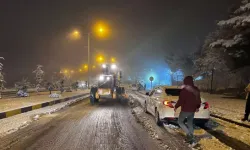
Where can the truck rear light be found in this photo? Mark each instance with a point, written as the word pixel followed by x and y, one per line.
pixel 168 103
pixel 206 105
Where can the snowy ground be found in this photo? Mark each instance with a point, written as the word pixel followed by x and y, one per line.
pixel 17 122
pixel 227 107
pixel 218 135
pixel 35 98
pixel 147 121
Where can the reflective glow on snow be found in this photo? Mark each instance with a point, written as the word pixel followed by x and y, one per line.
pixel 198 78
pixel 129 78
pixel 162 76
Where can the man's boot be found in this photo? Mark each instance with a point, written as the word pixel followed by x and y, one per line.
pixel 245 117
pixel 190 138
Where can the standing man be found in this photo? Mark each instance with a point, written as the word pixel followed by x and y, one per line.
pixel 62 86
pixel 50 88
pixel 247 109
pixel 189 101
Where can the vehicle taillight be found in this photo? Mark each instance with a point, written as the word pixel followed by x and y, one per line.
pixel 168 103
pixel 206 105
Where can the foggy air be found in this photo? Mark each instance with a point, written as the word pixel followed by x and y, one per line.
pixel 137 74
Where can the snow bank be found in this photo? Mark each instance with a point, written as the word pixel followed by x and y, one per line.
pixel 12 124
pixel 206 141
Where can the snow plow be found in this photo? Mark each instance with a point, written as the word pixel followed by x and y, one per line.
pixel 108 86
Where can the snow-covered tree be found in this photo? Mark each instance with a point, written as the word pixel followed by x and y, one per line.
pixel 234 35
pixel 211 63
pixel 225 50
pixel 2 81
pixel 211 58
pixel 23 85
pixel 39 76
pixel 55 81
pixel 183 62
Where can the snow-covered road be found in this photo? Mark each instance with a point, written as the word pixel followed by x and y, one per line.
pixel 218 134
pixel 114 125
pixel 108 125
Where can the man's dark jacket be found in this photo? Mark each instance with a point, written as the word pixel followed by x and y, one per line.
pixel 189 98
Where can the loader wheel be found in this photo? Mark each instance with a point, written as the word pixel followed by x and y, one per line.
pixel 92 101
pixel 93 91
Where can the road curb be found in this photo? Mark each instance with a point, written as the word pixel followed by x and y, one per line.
pixel 230 120
pixel 13 112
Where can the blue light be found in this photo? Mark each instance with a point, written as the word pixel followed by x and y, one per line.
pixel 161 74
pixel 129 78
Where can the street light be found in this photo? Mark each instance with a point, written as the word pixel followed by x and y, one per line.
pixel 75 35
pixel 85 67
pixel 76 32
pixel 100 29
pixel 100 59
pixel 112 60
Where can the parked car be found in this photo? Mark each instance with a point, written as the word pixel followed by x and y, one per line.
pixel 68 89
pixel 161 101
pixel 134 87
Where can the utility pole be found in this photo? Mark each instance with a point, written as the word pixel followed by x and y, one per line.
pixel 212 78
pixel 177 80
pixel 88 59
pixel 151 79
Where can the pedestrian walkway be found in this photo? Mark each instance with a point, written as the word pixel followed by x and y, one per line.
pixel 227 107
pixel 34 99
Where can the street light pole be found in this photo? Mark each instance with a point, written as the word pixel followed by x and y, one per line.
pixel 88 59
pixel 76 35
pixel 212 79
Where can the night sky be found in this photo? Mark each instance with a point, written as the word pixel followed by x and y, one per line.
pixel 142 31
